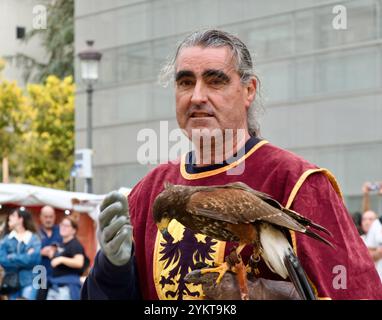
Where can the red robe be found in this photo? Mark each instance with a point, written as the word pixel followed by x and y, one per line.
pixel 346 272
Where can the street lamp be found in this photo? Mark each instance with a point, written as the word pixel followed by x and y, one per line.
pixel 89 59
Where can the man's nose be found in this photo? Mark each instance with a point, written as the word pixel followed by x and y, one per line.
pixel 199 95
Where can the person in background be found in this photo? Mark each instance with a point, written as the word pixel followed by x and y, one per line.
pixel 68 264
pixel 373 241
pixel 357 219
pixel 20 252
pixel 50 238
pixel 3 232
pixel 372 225
pixel 368 217
pixel 5 228
pixel 366 189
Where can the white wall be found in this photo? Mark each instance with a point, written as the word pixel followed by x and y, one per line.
pixel 15 13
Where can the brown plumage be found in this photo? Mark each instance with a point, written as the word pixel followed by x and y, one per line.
pixel 235 212
pixel 221 212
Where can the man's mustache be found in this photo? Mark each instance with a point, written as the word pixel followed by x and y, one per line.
pixel 200 108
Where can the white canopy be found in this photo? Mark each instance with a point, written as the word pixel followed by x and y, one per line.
pixel 29 195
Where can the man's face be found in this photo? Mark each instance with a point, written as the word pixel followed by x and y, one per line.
pixel 47 217
pixel 367 220
pixel 208 90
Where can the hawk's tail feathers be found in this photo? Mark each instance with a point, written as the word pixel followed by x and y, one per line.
pixel 306 222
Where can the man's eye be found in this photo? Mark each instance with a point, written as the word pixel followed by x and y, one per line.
pixel 217 82
pixel 185 83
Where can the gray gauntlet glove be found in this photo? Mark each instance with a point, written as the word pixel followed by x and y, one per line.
pixel 115 233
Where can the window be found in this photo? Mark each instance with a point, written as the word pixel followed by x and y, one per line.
pixel 20 32
pixel 348 70
pixel 270 37
pixel 276 79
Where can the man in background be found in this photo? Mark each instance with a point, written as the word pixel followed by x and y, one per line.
pixel 50 238
pixel 373 226
pixel 368 217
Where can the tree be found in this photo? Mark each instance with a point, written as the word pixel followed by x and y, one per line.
pixel 47 151
pixel 57 39
pixel 14 116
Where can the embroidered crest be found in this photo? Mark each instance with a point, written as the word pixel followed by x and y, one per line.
pixel 176 255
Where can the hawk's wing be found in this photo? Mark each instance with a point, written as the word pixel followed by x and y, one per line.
pixel 267 198
pixel 263 196
pixel 236 205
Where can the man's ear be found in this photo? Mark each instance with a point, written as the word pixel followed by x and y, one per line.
pixel 251 92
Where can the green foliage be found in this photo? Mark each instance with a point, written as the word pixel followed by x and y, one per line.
pixel 37 131
pixel 13 116
pixel 37 126
pixel 49 146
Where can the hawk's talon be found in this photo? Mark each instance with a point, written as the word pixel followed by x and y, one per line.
pixel 221 270
pixel 241 275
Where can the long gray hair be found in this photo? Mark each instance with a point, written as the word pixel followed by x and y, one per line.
pixel 242 57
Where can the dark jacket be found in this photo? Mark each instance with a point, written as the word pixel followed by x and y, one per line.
pixel 109 282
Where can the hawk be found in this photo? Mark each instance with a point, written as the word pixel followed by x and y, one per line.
pixel 237 213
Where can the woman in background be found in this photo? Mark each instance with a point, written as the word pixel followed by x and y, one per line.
pixel 20 252
pixel 68 264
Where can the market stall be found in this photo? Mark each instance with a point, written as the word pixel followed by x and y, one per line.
pixel 84 206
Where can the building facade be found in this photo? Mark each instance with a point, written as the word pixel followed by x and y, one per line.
pixel 321 85
pixel 16 19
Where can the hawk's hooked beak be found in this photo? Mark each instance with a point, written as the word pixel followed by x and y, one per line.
pixel 163 225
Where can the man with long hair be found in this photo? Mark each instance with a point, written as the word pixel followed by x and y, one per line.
pixel 216 89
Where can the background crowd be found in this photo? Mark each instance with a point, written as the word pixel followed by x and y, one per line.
pixel 40 264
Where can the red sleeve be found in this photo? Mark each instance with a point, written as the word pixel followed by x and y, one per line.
pixel 346 271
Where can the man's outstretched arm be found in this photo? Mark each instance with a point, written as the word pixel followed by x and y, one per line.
pixel 109 282
pixel 114 274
